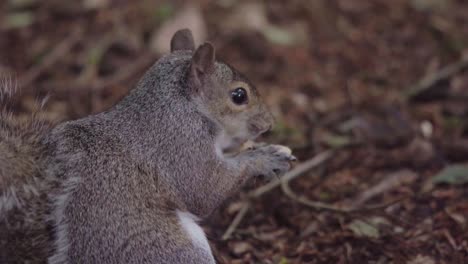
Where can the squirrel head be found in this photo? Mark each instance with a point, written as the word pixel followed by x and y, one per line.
pixel 223 94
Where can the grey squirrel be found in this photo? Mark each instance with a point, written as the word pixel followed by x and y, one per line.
pixel 128 185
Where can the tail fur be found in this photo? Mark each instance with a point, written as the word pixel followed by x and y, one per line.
pixel 24 187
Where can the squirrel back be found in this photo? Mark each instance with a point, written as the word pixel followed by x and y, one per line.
pixel 24 206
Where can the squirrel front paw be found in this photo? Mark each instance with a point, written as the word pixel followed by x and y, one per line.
pixel 269 160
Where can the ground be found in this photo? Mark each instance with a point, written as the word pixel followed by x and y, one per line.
pixel 382 84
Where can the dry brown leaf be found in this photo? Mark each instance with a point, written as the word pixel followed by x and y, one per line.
pixel 239 248
pixel 420 259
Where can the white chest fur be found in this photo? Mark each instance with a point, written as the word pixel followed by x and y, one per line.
pixel 194 231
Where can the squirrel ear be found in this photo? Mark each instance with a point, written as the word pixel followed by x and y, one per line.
pixel 203 63
pixel 182 40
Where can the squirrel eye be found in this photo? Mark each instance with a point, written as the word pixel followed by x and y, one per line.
pixel 239 96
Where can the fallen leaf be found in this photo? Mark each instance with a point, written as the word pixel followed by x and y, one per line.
pixel 429 5
pixel 384 127
pixel 96 4
pixel 164 12
pixel 454 174
pixel 459 218
pixel 420 259
pixel 277 35
pixel 17 20
pixel 239 248
pixel 271 236
pixel 247 16
pixel 336 141
pixel 21 3
pixel 363 229
pixel 253 16
pixel 310 229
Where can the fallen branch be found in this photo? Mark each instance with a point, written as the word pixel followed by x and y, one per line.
pixel 443 74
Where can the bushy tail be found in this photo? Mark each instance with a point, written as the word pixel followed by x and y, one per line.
pixel 24 206
pixel 8 87
pixel 20 149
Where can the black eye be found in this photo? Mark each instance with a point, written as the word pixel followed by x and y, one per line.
pixel 239 96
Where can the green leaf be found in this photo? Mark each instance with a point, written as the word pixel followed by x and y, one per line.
pixel 455 174
pixel 21 3
pixel 429 5
pixel 279 36
pixel 337 141
pixel 363 229
pixel 18 20
pixel 95 55
pixel 164 12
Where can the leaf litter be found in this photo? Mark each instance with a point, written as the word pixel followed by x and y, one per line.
pixel 381 82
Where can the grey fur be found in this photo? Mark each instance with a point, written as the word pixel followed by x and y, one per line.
pixel 125 173
pixel 25 225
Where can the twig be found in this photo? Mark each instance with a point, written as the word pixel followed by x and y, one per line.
pixel 240 215
pixel 99 84
pixel 95 55
pixel 125 73
pixel 58 52
pixel 443 74
pixel 255 194
pixel 323 206
pixel 297 171
pixel 314 204
pixel 284 183
pixel 450 239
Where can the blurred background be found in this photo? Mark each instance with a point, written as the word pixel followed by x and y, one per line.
pixel 382 84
